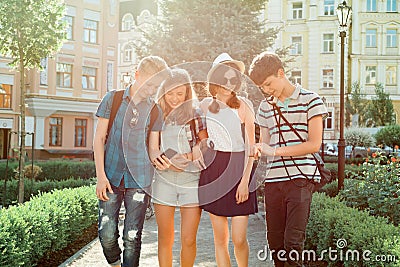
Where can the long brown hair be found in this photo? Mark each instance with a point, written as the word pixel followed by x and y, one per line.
pixel 233 101
pixel 185 112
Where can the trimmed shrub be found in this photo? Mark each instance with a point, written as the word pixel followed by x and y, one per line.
pixel 33 188
pixel 49 222
pixel 55 170
pixel 331 222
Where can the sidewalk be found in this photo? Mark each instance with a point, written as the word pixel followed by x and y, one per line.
pixel 92 255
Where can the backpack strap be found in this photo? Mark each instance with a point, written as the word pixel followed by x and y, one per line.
pixel 154 112
pixel 116 103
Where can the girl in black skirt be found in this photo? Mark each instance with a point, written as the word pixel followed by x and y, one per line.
pixel 224 184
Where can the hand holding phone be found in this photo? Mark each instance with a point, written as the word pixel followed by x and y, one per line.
pixel 169 153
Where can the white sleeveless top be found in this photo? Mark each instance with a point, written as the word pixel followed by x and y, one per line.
pixel 224 130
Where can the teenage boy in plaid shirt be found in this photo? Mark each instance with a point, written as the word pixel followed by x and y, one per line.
pixel 124 171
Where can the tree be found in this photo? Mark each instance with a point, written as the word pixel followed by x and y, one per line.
pixel 380 110
pixel 357 137
pixel 389 136
pixel 29 31
pixel 199 30
pixel 356 104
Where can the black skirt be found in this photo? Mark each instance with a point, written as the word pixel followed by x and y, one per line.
pixel 218 185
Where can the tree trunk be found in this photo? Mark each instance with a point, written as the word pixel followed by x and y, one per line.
pixel 21 173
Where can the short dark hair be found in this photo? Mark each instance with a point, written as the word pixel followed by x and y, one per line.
pixel 263 66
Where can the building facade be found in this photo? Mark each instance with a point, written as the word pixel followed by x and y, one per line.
pixel 62 99
pixel 372 52
pixel 134 17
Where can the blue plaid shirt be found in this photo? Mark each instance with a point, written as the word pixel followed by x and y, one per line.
pixel 126 154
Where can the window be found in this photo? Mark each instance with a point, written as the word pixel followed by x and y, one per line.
pixel 43 71
pixel 296 77
pixel 5 96
pixel 88 78
pixel 55 132
pixel 80 132
pixel 64 75
pixel 70 22
pixel 391 38
pixel 328 42
pixel 128 54
pixel 90 31
pixel 371 38
pixel 328 122
pixel 391 77
pixel 127 22
pixel 327 78
pixel 329 7
pixel 297 10
pixel 391 5
pixel 370 74
pixel 296 46
pixel 371 5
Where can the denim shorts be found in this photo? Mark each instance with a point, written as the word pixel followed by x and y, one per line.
pixel 173 188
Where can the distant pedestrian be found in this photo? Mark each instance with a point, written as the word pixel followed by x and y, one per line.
pixel 224 185
pixel 288 187
pixel 124 171
pixel 176 180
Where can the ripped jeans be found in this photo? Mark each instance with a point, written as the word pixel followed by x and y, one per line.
pixel 135 202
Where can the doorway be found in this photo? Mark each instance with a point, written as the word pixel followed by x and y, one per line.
pixel 3 143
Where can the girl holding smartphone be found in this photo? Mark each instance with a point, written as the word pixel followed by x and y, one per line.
pixel 176 179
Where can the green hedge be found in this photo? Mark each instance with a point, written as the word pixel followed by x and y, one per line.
pixel 49 222
pixel 35 187
pixel 331 220
pixel 55 170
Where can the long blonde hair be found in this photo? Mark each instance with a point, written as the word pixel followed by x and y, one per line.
pixel 185 112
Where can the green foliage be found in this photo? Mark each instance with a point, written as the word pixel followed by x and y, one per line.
pixel 379 190
pixel 356 137
pixel 55 170
pixel 380 109
pixel 193 30
pixel 389 136
pixel 33 188
pixel 47 223
pixel 356 104
pixel 331 220
pixel 65 169
pixel 33 31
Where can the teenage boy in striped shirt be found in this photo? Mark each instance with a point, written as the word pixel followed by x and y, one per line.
pixel 288 190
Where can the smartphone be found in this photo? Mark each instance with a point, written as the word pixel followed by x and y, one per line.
pixel 169 153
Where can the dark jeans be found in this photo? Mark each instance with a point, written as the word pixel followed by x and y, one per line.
pixel 287 206
pixel 135 202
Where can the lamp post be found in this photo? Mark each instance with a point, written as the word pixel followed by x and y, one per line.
pixel 343 13
pixel 126 79
pixel 323 133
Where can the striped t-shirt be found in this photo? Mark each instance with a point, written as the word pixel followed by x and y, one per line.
pixel 298 109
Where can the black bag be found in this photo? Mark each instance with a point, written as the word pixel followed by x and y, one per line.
pixel 326 176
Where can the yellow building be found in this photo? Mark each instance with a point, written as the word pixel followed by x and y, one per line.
pixel 372 50
pixel 375 47
pixel 63 98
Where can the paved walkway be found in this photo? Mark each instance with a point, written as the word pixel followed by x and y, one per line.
pixel 92 256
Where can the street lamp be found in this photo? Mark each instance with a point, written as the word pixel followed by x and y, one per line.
pixel 343 13
pixel 323 133
pixel 126 79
